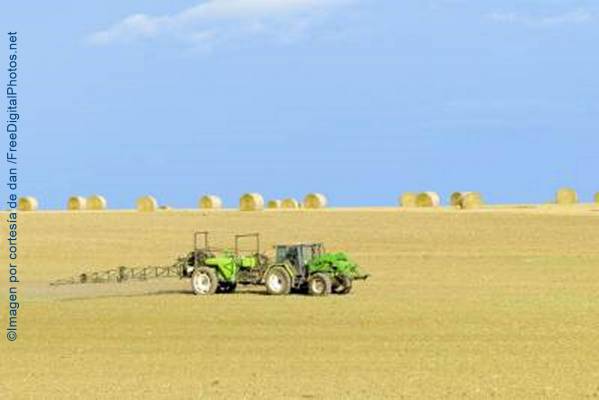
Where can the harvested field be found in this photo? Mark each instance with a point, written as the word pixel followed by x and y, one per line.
pixel 499 302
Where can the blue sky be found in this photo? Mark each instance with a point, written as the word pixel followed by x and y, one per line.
pixel 360 99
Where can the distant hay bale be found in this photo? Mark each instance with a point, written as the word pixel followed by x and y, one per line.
pixel 165 208
pixel 290 204
pixel 456 198
pixel 147 204
pixel 76 203
pixel 210 202
pixel 408 199
pixel 251 202
pixel 27 203
pixel 96 202
pixel 466 200
pixel 274 204
pixel 471 200
pixel 427 199
pixel 566 196
pixel 315 200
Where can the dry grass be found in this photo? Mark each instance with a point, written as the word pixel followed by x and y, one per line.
pixel 496 303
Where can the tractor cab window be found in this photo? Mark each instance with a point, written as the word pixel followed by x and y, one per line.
pixel 309 253
pixel 292 255
pixel 288 253
pixel 281 253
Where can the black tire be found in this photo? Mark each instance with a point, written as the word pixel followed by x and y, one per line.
pixel 227 287
pixel 232 287
pixel 204 281
pixel 277 281
pixel 343 285
pixel 319 284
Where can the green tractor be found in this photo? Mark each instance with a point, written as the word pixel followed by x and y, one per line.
pixel 298 267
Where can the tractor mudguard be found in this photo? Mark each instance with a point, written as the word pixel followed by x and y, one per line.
pixel 225 266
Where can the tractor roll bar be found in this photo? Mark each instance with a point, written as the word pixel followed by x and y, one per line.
pixel 247 235
pixel 196 235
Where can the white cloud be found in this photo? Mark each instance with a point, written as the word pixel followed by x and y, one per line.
pixel 221 19
pixel 571 17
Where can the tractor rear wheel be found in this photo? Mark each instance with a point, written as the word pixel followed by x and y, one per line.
pixel 343 285
pixel 204 281
pixel 278 281
pixel 319 284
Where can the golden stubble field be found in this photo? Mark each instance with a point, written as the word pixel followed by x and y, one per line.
pixel 499 303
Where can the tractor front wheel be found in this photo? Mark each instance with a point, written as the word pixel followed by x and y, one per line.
pixel 343 285
pixel 319 284
pixel 278 281
pixel 204 281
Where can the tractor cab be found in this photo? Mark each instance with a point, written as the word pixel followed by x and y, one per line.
pixel 298 255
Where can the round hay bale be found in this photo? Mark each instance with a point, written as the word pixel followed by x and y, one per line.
pixel 27 203
pixel 147 204
pixel 76 203
pixel 315 200
pixel 210 202
pixel 273 204
pixel 408 199
pixel 456 198
pixel 566 196
pixel 471 200
pixel 96 202
pixel 165 208
pixel 290 204
pixel 251 202
pixel 427 199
